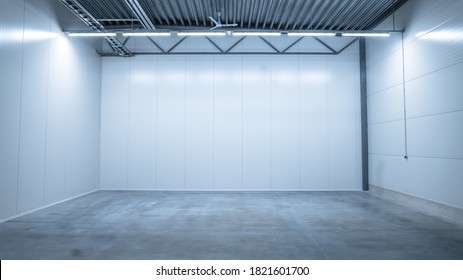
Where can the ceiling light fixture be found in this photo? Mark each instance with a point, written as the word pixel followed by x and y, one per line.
pixel 256 33
pixel 146 34
pixel 91 34
pixel 201 33
pixel 348 34
pixel 312 34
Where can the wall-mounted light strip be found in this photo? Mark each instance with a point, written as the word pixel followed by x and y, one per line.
pixel 91 34
pixel 347 34
pixel 256 33
pixel 201 33
pixel 146 34
pixel 312 34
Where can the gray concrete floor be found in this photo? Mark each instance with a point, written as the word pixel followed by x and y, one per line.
pixel 229 225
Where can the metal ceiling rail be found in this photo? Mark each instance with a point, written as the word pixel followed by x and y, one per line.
pixel 256 14
pixel 93 23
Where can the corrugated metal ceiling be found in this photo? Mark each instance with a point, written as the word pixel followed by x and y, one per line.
pixel 248 14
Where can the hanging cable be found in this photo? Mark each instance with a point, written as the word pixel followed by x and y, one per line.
pixel 404 98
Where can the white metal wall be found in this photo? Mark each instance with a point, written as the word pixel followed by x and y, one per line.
pixel 235 122
pixel 49 110
pixel 433 66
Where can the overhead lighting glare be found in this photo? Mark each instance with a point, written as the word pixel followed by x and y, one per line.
pixel 146 34
pixel 444 35
pixel 312 34
pixel 256 33
pixel 366 34
pixel 201 33
pixel 92 34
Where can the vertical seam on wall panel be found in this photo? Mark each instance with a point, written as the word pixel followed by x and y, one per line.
pixel 20 107
pixel 184 122
pixel 100 117
pixel 327 88
pixel 213 122
pixel 299 108
pixel 46 115
pixel 156 125
pixel 128 122
pixel 358 100
pixel 404 98
pixel 271 123
pixel 242 122
pixel 99 123
pixel 66 132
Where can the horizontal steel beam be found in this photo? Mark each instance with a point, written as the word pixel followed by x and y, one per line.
pixel 106 54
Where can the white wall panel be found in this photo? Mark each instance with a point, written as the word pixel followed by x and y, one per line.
pixel 433 67
pixel 58 90
pixel 49 109
pixel 441 47
pixel 436 93
pixel 82 124
pixel 387 138
pixel 11 30
pixel 170 137
pixel 426 15
pixel 439 136
pixel 90 115
pixel 433 179
pixel 285 122
pixel 142 123
pixel 390 172
pixel 74 156
pixel 343 121
pixel 234 122
pixel 437 180
pixel 385 74
pixel 199 134
pixel 33 109
pixel 381 47
pixel 256 122
pixel 386 106
pixel 228 120
pixel 314 122
pixel 114 124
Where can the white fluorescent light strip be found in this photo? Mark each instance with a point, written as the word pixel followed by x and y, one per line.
pixel 142 34
pixel 94 34
pixel 366 34
pixel 201 34
pixel 256 33
pixel 312 34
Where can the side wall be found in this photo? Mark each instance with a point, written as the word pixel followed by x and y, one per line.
pixel 428 87
pixel 232 122
pixel 49 110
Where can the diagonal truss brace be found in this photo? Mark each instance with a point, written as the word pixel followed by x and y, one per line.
pixel 276 51
pixel 77 8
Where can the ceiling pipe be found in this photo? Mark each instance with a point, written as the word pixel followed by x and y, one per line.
pixel 140 13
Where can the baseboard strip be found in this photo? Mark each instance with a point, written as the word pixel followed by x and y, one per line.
pixel 426 206
pixel 43 207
